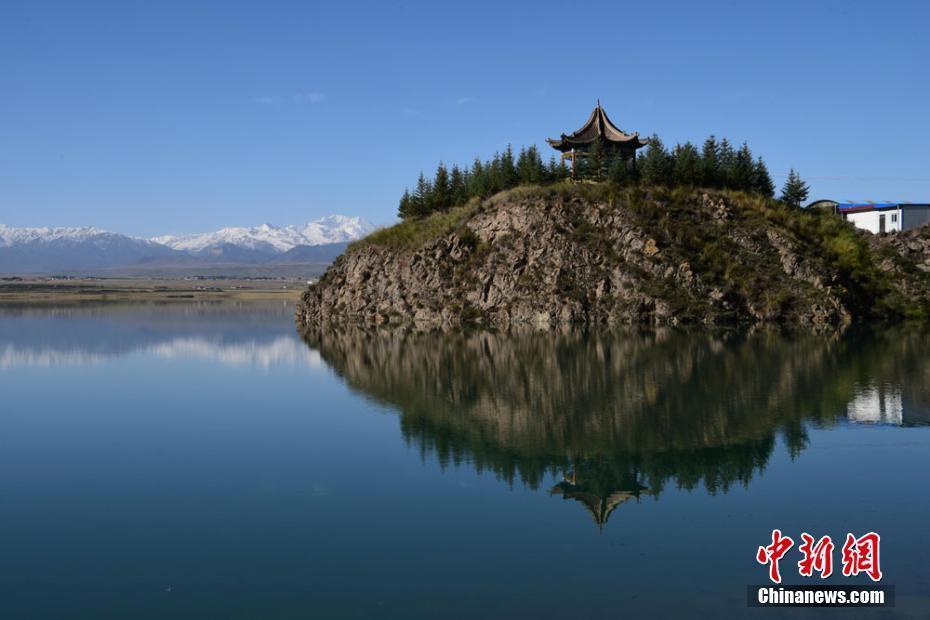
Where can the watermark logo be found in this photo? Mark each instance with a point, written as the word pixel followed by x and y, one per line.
pixel 859 555
pixel 772 554
pixel 818 557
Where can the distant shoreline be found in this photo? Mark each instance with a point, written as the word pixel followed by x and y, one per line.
pixel 32 290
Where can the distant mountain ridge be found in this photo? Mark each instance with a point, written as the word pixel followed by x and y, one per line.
pixel 90 250
pixel 267 237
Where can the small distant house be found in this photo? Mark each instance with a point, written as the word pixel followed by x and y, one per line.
pixel 878 217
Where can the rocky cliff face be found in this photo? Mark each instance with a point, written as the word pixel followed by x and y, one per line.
pixel 588 254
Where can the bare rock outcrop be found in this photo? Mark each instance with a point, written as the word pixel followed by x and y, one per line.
pixel 590 255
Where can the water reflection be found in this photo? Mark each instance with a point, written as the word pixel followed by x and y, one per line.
pixel 618 416
pixel 253 334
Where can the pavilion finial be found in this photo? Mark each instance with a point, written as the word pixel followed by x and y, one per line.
pixel 598 102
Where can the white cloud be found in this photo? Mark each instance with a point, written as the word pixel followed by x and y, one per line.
pixel 465 100
pixel 310 98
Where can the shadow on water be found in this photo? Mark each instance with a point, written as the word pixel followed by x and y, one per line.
pixel 621 415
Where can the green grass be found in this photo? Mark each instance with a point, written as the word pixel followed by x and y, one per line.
pixel 414 233
pixel 411 234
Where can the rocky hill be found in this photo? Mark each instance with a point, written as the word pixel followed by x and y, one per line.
pixel 593 254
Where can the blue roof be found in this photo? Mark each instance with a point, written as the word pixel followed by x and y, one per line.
pixel 873 205
pixel 863 205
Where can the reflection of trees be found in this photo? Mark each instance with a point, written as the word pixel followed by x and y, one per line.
pixel 618 414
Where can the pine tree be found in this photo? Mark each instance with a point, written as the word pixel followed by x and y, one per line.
pixel 687 169
pixel 491 167
pixel 710 164
pixel 655 165
pixel 421 201
pixel 538 174
pixel 477 180
pixel 458 186
pixel 741 175
pixel 761 179
pixel 795 191
pixel 530 168
pixel 596 161
pixel 555 171
pixel 405 208
pixel 523 167
pixel 726 157
pixel 508 171
pixel 442 190
pixel 619 173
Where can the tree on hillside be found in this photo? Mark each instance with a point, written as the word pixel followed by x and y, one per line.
pixel 620 172
pixel 795 190
pixel 508 170
pixel 687 167
pixel 442 190
pixel 710 164
pixel 761 179
pixel 741 172
pixel 656 168
pixel 458 186
pixel 495 181
pixel 530 168
pixel 421 201
pixel 717 165
pixel 595 164
pixel 477 180
pixel 405 208
pixel 726 157
pixel 555 171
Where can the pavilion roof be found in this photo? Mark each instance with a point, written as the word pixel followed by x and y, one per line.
pixel 598 505
pixel 598 126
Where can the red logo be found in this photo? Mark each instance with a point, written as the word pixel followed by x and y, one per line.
pixel 773 553
pixel 860 555
pixel 817 557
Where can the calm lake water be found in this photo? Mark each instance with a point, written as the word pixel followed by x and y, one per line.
pixel 203 460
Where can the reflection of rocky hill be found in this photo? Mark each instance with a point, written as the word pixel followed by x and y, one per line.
pixel 627 412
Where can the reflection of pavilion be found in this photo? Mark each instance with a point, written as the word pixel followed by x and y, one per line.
pixel 527 404
pixel 598 489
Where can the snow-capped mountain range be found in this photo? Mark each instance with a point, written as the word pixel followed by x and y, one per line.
pixel 331 229
pixel 36 250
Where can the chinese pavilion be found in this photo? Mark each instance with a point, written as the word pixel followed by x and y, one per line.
pixel 599 488
pixel 598 129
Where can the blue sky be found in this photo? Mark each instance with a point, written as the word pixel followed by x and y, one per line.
pixel 155 117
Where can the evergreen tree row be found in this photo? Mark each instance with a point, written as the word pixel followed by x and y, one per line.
pixel 716 165
pixel 457 186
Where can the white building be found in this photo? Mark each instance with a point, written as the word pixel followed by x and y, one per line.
pixel 879 217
